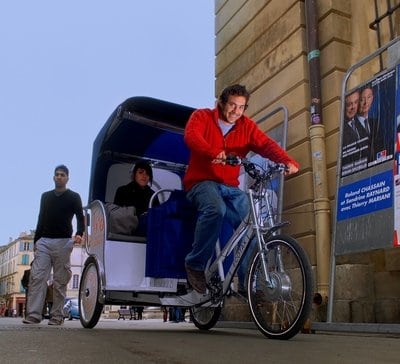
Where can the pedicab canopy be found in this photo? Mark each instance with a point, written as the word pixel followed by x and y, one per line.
pixel 140 127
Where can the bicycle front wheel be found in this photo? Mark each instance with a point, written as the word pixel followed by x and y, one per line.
pixel 281 306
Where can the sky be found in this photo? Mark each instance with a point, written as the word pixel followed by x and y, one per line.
pixel 66 65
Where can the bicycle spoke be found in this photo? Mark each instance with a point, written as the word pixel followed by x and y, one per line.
pixel 280 310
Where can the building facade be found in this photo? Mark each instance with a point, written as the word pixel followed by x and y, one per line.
pixel 296 53
pixel 15 258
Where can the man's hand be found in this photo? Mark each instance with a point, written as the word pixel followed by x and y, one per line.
pixel 77 239
pixel 291 169
pixel 220 158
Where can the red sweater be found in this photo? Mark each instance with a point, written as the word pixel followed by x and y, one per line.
pixel 205 141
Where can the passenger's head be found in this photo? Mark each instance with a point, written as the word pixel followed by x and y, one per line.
pixel 142 173
pixel 233 102
pixel 351 104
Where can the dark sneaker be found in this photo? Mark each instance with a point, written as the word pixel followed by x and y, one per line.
pixel 30 321
pixel 196 279
pixel 53 322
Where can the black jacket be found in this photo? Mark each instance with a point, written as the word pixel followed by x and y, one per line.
pixel 134 195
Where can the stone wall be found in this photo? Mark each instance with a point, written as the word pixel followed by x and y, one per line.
pixel 262 44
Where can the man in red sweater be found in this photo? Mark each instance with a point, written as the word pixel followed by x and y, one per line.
pixel 211 185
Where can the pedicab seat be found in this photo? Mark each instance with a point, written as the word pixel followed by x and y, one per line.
pixel 122 224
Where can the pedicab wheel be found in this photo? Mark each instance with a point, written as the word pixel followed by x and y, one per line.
pixel 281 307
pixel 205 318
pixel 89 307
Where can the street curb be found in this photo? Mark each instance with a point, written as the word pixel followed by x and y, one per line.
pixel 374 328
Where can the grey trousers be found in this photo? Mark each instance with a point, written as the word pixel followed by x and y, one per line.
pixel 49 253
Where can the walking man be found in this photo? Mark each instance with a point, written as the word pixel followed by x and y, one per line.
pixel 53 247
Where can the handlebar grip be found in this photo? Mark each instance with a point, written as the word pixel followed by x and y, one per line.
pixel 232 160
pixel 283 167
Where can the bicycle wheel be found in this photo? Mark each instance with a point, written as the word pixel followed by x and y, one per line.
pixel 281 310
pixel 205 318
pixel 89 307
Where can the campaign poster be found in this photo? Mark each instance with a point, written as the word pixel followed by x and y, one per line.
pixel 368 195
pixel 365 196
pixel 396 238
pixel 368 130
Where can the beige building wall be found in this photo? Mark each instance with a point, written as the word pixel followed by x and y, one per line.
pixel 14 259
pixel 263 44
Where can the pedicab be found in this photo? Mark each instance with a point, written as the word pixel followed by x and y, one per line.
pixel 123 269
pixel 148 269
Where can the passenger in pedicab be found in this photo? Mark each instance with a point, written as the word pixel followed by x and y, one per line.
pixel 138 193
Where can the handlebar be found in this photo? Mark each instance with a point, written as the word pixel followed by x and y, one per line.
pixel 251 168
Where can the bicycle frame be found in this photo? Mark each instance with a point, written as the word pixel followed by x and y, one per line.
pixel 279 277
pixel 253 226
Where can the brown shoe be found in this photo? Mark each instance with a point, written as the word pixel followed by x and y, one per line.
pixel 30 321
pixel 54 322
pixel 196 279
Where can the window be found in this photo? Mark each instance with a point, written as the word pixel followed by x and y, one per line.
pixel 75 281
pixel 25 259
pixel 25 246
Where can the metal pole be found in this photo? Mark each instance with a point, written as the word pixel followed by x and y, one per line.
pixel 285 111
pixel 318 153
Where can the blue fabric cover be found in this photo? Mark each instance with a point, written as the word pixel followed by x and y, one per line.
pixel 170 231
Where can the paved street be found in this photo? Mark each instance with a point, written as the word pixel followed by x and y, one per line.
pixel 152 341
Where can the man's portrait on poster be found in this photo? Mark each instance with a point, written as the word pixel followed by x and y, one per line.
pixel 368 125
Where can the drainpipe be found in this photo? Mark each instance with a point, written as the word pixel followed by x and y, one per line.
pixel 318 155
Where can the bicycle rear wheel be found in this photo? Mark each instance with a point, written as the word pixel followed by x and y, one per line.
pixel 281 310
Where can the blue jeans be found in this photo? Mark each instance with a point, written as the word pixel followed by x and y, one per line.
pixel 214 202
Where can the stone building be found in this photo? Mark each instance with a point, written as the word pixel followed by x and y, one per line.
pixel 14 259
pixel 296 53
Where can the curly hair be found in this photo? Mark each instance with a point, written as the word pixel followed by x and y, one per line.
pixel 236 90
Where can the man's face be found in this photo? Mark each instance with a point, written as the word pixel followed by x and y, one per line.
pixel 233 109
pixel 60 178
pixel 141 177
pixel 352 102
pixel 367 97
